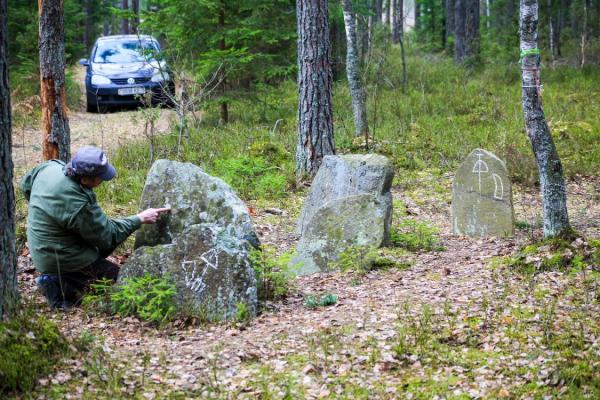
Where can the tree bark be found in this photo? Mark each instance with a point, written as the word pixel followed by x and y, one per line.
pixel 359 107
pixel 8 256
pixel 315 122
pixel 466 31
pixel 222 46
pixel 125 21
pixel 398 21
pixel 449 21
pixel 552 184
pixel 56 139
pixel 135 22
pixel 88 32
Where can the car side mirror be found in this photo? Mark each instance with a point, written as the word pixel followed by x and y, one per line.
pixel 84 62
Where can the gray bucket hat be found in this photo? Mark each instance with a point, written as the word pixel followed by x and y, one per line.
pixel 91 161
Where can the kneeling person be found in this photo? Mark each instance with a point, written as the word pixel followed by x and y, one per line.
pixel 68 234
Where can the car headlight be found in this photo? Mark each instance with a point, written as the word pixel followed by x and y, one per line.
pixel 160 77
pixel 100 80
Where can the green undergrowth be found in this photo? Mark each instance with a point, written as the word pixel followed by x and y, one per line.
pixel 273 275
pixel 415 236
pixel 570 255
pixel 30 347
pixel 148 298
pixel 315 301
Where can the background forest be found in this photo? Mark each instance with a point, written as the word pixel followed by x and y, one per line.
pixel 253 45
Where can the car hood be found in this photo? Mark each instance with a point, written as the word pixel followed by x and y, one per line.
pixel 129 69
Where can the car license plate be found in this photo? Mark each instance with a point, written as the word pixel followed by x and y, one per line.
pixel 131 90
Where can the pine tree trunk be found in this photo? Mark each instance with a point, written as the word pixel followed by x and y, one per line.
pixel 449 21
pixel 106 18
pixel 359 107
pixel 315 122
pixel 466 31
pixel 88 32
pixel 8 256
pixel 56 139
pixel 222 46
pixel 554 197
pixel 125 21
pixel 417 15
pixel 135 7
pixel 378 11
pixel 398 21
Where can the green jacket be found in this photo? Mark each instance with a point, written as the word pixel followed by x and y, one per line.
pixel 66 228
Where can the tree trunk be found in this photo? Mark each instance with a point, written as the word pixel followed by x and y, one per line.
pixel 466 31
pixel 88 32
pixel 359 107
pixel 378 11
pixel 552 185
pixel 584 31
pixel 106 18
pixel 8 256
pixel 449 21
pixel 315 122
pixel 125 21
pixel 222 46
pixel 417 15
pixel 398 21
pixel 385 18
pixel 135 22
pixel 56 139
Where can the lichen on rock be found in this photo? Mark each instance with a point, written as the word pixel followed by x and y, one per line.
pixel 203 244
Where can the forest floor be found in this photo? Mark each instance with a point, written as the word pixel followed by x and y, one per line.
pixel 451 323
pixel 471 327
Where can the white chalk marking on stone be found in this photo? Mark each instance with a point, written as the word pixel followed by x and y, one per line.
pixel 497 186
pixel 479 167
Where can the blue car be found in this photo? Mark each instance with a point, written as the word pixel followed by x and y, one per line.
pixel 125 69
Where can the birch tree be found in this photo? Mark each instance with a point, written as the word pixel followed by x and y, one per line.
pixel 552 184
pixel 8 256
pixel 359 107
pixel 315 120
pixel 55 124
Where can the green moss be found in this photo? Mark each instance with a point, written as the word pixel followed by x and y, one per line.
pixel 30 346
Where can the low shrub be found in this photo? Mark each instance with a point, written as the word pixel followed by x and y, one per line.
pixel 273 275
pixel 415 236
pixel 146 297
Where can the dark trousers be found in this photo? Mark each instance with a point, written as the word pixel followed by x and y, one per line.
pixel 67 289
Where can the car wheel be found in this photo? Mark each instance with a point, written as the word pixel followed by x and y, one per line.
pixel 91 108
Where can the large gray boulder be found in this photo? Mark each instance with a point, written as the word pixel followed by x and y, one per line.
pixel 482 197
pixel 203 244
pixel 349 205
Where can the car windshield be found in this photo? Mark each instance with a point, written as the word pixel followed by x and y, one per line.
pixel 122 52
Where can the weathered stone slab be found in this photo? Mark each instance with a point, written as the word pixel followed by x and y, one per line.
pixel 195 198
pixel 210 268
pixel 203 244
pixel 348 175
pixel 341 223
pixel 482 197
pixel 350 204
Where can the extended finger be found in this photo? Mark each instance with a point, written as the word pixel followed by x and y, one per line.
pixel 162 210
